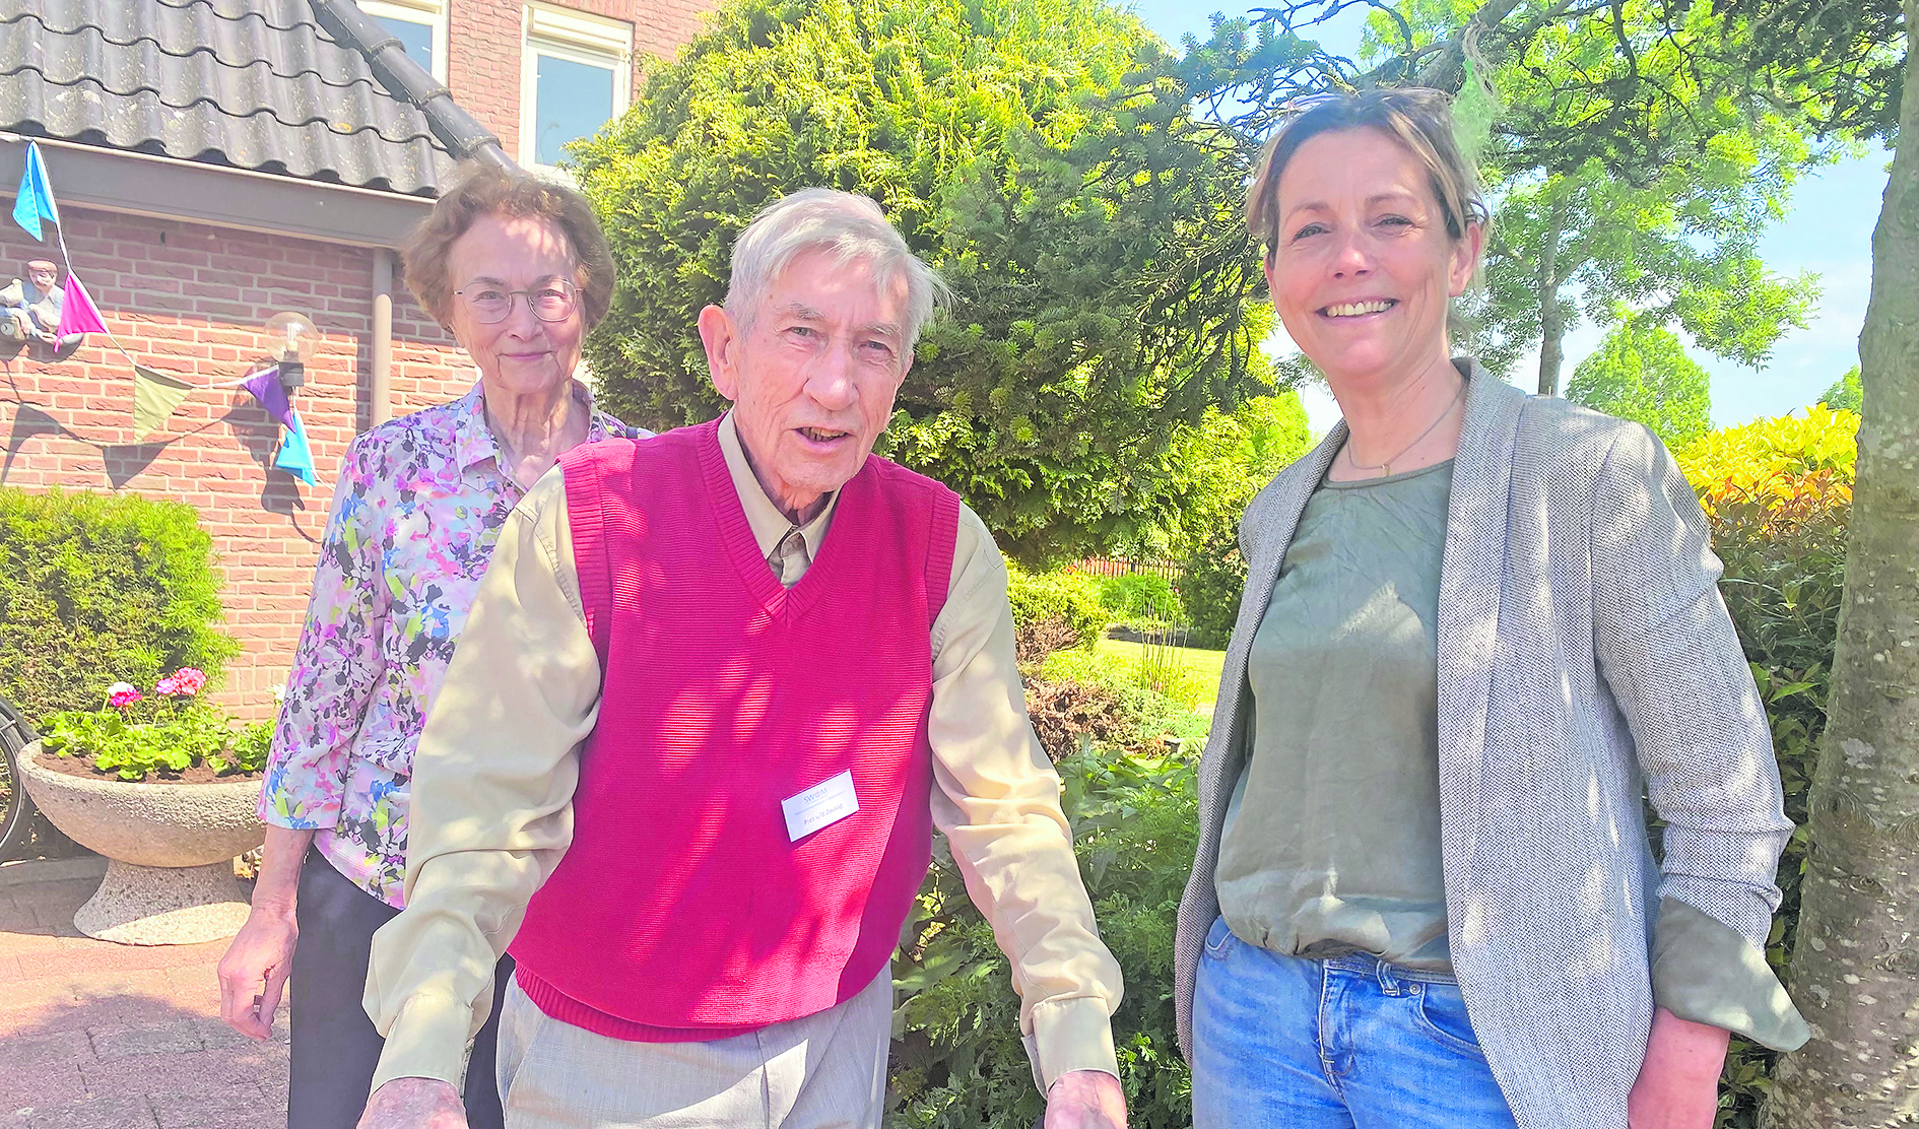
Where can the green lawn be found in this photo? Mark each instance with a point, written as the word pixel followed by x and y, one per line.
pixel 1203 664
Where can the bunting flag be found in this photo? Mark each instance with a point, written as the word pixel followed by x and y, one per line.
pixel 155 395
pixel 266 388
pixel 296 458
pixel 78 314
pixel 35 200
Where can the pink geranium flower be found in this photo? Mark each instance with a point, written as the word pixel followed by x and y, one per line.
pixel 166 688
pixel 120 695
pixel 188 681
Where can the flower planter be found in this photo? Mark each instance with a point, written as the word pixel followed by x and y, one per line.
pixel 169 849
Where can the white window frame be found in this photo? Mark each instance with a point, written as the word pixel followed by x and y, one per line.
pixel 432 13
pixel 578 37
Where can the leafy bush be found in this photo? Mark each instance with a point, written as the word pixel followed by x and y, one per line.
pixel 1054 610
pixel 1215 577
pixel 1779 492
pixel 1783 541
pixel 137 737
pixel 1082 697
pixel 957 1061
pixel 1140 596
pixel 1771 455
pixel 1042 154
pixel 94 587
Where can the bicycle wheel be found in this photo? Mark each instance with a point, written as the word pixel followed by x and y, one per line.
pixel 16 809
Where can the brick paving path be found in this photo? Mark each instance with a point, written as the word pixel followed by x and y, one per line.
pixel 95 1035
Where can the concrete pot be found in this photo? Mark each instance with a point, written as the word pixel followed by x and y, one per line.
pixel 169 849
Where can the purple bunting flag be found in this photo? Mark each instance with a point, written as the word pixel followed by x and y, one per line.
pixel 266 388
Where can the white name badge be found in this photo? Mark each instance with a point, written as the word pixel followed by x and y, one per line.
pixel 820 806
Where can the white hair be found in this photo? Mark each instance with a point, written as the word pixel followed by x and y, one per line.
pixel 845 225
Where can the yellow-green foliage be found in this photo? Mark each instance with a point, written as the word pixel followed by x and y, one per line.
pixel 1771 457
pixel 1779 492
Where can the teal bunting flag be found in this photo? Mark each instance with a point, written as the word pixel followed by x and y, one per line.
pixel 295 457
pixel 35 200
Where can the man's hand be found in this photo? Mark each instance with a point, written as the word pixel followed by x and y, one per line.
pixel 1085 1099
pixel 414 1103
pixel 1678 1086
pixel 253 973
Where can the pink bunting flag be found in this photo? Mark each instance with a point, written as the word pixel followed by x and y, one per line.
pixel 266 388
pixel 77 312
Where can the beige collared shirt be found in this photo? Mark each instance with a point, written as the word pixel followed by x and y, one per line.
pixel 495 771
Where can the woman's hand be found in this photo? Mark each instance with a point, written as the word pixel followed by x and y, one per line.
pixel 253 974
pixel 414 1103
pixel 1678 1086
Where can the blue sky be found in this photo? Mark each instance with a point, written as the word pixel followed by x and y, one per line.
pixel 1828 231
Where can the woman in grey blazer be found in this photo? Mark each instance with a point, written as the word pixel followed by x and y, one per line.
pixel 1479 630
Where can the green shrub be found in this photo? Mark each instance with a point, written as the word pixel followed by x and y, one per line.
pixel 1215 577
pixel 1141 596
pixel 1784 547
pixel 957 1062
pixel 1054 610
pixel 96 589
pixel 1074 697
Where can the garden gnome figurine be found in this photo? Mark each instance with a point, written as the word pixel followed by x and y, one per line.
pixel 30 312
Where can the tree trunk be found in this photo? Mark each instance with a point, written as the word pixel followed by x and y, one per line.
pixel 1552 323
pixel 1855 967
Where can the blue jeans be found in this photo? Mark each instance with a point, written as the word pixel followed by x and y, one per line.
pixel 1280 1042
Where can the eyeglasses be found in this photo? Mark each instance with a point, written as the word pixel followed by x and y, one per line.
pixel 551 300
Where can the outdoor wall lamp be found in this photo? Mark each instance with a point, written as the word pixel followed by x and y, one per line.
pixel 292 338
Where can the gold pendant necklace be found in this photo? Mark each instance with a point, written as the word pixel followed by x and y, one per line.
pixel 1387 467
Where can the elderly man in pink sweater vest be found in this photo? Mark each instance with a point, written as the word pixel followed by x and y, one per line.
pixel 717 690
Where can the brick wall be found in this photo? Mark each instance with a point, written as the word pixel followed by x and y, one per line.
pixel 484 41
pixel 190 300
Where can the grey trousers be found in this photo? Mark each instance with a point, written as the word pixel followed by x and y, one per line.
pixel 824 1071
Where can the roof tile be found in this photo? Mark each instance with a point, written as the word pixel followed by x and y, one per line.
pixel 253 84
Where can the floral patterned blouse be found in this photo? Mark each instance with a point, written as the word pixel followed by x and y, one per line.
pixel 416 513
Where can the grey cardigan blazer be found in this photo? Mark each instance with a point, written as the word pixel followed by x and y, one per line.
pixel 1585 660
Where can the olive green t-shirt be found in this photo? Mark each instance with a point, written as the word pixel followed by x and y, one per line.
pixel 1332 840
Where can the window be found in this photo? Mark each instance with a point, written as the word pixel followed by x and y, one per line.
pixel 577 75
pixel 418 24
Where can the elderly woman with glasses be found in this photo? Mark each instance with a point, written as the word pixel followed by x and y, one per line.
pixel 518 270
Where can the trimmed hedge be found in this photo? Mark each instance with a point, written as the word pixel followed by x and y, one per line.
pixel 1054 610
pixel 97 589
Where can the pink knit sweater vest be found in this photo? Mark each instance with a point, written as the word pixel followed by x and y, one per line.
pixel 683 911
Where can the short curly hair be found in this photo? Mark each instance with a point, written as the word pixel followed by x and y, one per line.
pixel 487 189
pixel 1416 117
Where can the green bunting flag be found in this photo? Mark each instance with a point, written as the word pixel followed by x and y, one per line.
pixel 155 395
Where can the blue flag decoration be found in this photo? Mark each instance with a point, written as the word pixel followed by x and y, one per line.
pixel 295 457
pixel 35 201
